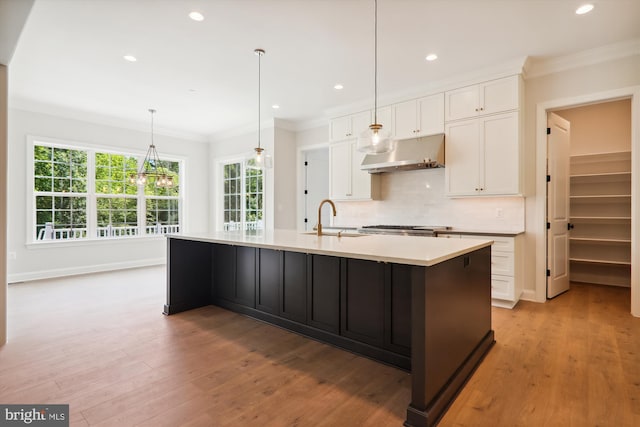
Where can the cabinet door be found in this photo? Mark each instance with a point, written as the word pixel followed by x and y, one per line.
pixel 293 293
pixel 398 309
pixel 362 312
pixel 246 276
pixel 340 128
pixel 323 293
pixel 224 272
pixel 431 114
pixel 405 119
pixel 385 115
pixel 340 170
pixel 463 158
pixel 360 179
pixel 499 95
pixel 268 284
pixel 462 103
pixel 501 155
pixel 360 122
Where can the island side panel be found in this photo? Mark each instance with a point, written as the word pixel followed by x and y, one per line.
pixel 451 331
pixel 188 275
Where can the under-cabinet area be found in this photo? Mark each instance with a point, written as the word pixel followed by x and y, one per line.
pixel 600 206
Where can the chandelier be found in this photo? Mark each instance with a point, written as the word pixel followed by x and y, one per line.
pixel 151 166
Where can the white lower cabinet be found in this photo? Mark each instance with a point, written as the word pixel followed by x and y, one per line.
pixel 506 267
pixel 346 180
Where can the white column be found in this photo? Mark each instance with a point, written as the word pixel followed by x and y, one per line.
pixel 3 203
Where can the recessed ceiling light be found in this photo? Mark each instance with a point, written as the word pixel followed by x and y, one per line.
pixel 196 16
pixel 275 106
pixel 431 57
pixel 338 87
pixel 585 8
pixel 130 58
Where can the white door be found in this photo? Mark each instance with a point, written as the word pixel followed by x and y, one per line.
pixel 558 137
pixel 316 186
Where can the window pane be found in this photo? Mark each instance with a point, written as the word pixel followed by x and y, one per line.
pixel 42 153
pixel 60 218
pixel 43 184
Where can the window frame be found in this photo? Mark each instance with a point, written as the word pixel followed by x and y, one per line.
pixel 91 194
pixel 243 194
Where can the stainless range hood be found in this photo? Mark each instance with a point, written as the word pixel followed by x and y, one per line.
pixel 419 153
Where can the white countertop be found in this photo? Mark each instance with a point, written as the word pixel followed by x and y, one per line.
pixel 411 250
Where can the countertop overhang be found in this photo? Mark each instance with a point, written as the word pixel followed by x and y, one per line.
pixel 410 250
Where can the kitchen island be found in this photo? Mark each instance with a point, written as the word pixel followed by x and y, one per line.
pixel 422 304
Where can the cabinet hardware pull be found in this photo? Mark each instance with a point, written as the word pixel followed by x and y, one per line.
pixel 476 109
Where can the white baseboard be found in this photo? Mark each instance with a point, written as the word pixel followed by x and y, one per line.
pixel 85 269
pixel 529 295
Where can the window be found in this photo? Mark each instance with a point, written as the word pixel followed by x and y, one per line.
pixel 243 193
pixel 82 193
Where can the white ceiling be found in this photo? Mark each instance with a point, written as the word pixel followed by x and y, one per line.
pixel 202 76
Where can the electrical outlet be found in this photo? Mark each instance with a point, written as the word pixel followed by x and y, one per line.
pixel 11 256
pixel 499 213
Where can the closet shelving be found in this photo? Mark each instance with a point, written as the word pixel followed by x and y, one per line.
pixel 600 203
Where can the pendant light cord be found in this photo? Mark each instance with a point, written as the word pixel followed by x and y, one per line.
pixel 375 60
pixel 259 56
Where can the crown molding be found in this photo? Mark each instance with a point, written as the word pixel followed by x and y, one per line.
pixel 537 67
pixel 99 119
pixel 504 69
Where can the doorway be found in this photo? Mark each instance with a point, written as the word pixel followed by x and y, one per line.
pixel 598 187
pixel 314 187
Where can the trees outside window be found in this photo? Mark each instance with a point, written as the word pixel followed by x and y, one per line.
pixel 243 196
pixel 82 193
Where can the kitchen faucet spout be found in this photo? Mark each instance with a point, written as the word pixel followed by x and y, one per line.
pixel 333 206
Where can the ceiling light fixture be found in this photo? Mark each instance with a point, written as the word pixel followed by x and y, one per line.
pixel 431 57
pixel 130 58
pixel 151 166
pixel 275 106
pixel 585 8
pixel 196 16
pixel 261 160
pixel 375 139
pixel 338 87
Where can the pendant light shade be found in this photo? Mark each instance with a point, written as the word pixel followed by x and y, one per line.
pixel 260 158
pixel 376 139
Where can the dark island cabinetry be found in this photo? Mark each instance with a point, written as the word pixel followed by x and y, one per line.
pixel 433 320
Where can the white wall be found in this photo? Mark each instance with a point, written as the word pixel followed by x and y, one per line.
pixel 285 179
pixel 49 260
pixel 599 128
pixel 572 84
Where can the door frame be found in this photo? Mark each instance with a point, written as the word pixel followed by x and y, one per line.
pixel 540 230
pixel 300 179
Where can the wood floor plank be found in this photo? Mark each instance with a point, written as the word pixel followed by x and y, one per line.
pixel 106 350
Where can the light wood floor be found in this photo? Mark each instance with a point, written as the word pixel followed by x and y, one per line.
pixel 100 343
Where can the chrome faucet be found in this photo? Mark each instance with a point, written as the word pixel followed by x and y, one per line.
pixel 319 226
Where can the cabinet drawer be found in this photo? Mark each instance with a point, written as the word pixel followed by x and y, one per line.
pixel 502 287
pixel 500 243
pixel 502 263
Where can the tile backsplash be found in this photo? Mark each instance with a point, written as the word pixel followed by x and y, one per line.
pixel 417 198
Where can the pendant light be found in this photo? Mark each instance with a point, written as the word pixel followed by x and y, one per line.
pixel 151 167
pixel 376 139
pixel 261 160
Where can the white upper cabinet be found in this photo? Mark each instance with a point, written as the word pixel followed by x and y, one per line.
pixel 419 117
pixel 347 127
pixel 491 97
pixel 483 156
pixel 346 180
